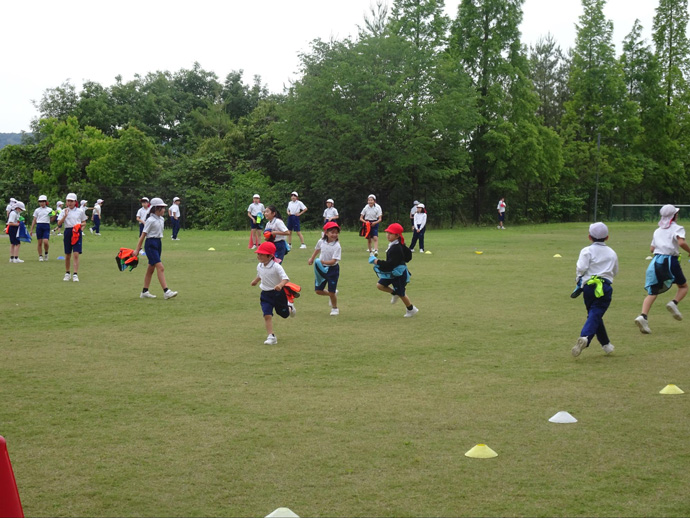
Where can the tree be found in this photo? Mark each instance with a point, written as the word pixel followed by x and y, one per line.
pixel 549 74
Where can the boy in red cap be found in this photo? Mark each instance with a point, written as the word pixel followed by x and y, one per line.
pixel 393 271
pixel 273 279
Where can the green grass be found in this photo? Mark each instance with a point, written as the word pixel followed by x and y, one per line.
pixel 116 406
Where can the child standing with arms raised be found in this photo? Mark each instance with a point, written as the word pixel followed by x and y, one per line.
pixel 326 268
pixel 596 267
pixel 273 279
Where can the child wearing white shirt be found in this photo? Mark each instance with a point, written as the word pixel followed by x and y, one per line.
pixel 73 219
pixel 418 228
pixel 295 209
pixel 327 267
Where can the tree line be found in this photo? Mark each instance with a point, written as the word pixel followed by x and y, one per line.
pixel 453 112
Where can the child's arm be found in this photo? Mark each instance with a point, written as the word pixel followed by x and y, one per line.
pixel 33 226
pixel 281 284
pixel 139 243
pixel 683 244
pixel 256 280
pixel 330 262
pixel 313 256
pixel 582 263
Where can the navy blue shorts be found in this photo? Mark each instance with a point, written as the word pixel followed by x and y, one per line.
pixel 281 249
pixel 69 247
pixel 254 225
pixel 678 277
pixel 502 216
pixel 293 223
pixel 374 229
pixel 332 276
pixel 398 283
pixel 12 232
pixel 277 300
pixel 141 228
pixel 42 230
pixel 153 249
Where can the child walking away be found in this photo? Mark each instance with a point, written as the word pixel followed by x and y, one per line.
pixel 276 232
pixel 273 279
pixel 393 271
pixel 664 269
pixel 326 267
pixel 153 234
pixel 13 223
pixel 419 228
pixel 73 219
pixel 596 268
pixel 41 224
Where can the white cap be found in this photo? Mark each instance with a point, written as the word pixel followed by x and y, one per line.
pixel 667 212
pixel 372 196
pixel 416 202
pixel 59 204
pixel 294 193
pixel 256 196
pixel 157 202
pixel 329 200
pixel 84 202
pixel 598 230
pixel 420 205
pixel 174 199
pixel 99 200
pixel 71 196
pixel 12 200
pixel 43 197
pixel 19 205
pixel 144 198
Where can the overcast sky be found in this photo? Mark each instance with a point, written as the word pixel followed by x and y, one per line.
pixel 46 42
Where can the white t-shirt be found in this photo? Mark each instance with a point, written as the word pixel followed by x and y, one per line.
pixel 42 214
pixel 174 210
pixel 73 217
pixel 294 207
pixel 371 213
pixel 277 224
pixel 329 251
pixel 97 210
pixel 271 275
pixel 665 240
pixel 413 211
pixel 330 213
pixel 596 259
pixel 255 209
pixel 154 226
pixel 141 214
pixel 501 206
pixel 419 220
pixel 14 217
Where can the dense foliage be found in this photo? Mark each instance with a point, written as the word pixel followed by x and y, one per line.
pixel 456 113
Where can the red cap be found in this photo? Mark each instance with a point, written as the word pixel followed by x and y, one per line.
pixel 267 248
pixel 395 228
pixel 331 224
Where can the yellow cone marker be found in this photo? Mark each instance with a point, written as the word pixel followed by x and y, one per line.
pixel 671 389
pixel 481 451
pixel 478 252
pixel 427 252
pixel 557 255
pixel 212 249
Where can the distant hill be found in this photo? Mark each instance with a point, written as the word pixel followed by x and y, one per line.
pixel 7 139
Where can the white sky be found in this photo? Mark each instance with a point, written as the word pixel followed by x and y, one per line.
pixel 46 42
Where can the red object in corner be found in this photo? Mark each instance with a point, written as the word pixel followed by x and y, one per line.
pixel 10 506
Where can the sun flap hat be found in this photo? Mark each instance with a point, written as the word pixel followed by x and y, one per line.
pixel 267 248
pixel 43 197
pixel 99 200
pixel 330 200
pixel 19 205
pixel 256 196
pixel 330 225
pixel 158 202
pixel 667 212
pixel 372 196
pixel 175 199
pixel 421 205
pixel 294 193
pixel 71 196
pixel 598 230
pixel 144 198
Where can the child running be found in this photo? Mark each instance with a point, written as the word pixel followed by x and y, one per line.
pixel 153 234
pixel 664 270
pixel 13 221
pixel 73 219
pixel 41 223
pixel 276 232
pixel 419 228
pixel 326 268
pixel 394 269
pixel 596 267
pixel 273 279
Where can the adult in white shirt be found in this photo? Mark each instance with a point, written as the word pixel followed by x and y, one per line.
pixel 142 213
pixel 73 219
pixel 419 228
pixel 41 224
pixel 255 212
pixel 174 213
pixel 372 214
pixel 295 209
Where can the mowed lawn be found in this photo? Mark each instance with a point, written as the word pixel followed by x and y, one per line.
pixel 116 406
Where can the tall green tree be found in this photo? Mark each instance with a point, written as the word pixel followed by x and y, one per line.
pixel 549 73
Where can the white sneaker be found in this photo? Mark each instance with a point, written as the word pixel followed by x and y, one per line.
pixel 421 250
pixel 98 233
pixel 169 294
pixel 75 277
pixel 608 348
pixel 643 325
pixel 673 309
pixel 40 258
pixel 271 340
pixel 146 295
pixel 11 259
pixel 18 260
pixel 579 346
pixel 293 311
pixel 335 312
pixel 411 312
pixel 254 247
pixel 394 299
pixel 303 245
pixel 499 227
pixel 91 230
pixel 45 257
pixel 67 277
pixel 369 250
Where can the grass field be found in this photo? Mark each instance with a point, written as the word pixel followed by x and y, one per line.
pixel 116 406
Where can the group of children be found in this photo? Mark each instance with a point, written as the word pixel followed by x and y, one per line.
pixel 173 212
pixel 597 265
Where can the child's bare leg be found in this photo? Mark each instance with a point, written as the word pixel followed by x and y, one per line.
pixel 301 237
pixel 334 300
pixel 369 243
pixel 76 262
pixel 161 276
pixel 647 303
pixel 406 300
pixel 68 258
pixel 682 292
pixel 376 242
pixel 39 245
pixel 387 289
pixel 148 276
pixel 268 320
pixel 45 246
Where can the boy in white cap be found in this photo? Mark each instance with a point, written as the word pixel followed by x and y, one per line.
pixel 174 213
pixel 295 209
pixel 664 270
pixel 73 219
pixel 142 213
pixel 13 227
pixel 41 224
pixel 596 267
pixel 96 218
pixel 255 212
